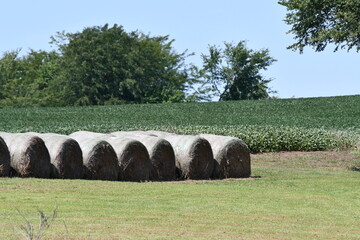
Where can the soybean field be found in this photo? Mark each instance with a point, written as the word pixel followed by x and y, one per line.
pixel 290 195
pixel 265 125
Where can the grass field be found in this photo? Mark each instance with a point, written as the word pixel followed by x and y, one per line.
pixel 292 196
pixel 267 125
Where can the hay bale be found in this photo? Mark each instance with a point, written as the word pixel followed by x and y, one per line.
pixel 132 155
pixel 4 159
pixel 29 156
pixel 65 156
pixel 161 153
pixel 193 155
pixel 231 154
pixel 99 158
pixel 133 158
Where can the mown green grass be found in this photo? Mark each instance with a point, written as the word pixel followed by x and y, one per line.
pixel 265 125
pixel 297 197
pixel 285 201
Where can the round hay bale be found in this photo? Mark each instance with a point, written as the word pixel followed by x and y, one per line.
pixel 132 155
pixel 4 159
pixel 65 156
pixel 231 154
pixel 161 153
pixel 193 154
pixel 99 158
pixel 29 156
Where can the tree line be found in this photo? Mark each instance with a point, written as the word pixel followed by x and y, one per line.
pixel 105 65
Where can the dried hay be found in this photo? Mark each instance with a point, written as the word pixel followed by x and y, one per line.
pixel 99 158
pixel 65 156
pixel 29 155
pixel 4 159
pixel 193 155
pixel 132 156
pixel 231 154
pixel 161 153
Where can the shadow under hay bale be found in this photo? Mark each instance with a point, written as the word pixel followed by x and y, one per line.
pixel 161 153
pixel 193 154
pixel 65 156
pixel 29 156
pixel 4 159
pixel 132 155
pixel 232 156
pixel 99 158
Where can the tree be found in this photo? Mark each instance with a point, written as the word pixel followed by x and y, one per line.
pixel 317 23
pixel 105 65
pixel 8 69
pixel 234 73
pixel 28 80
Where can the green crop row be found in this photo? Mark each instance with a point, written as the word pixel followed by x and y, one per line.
pixel 273 139
pixel 265 125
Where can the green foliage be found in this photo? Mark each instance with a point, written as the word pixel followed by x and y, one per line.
pixel 8 69
pixel 322 22
pixel 29 80
pixel 276 139
pixel 265 125
pixel 103 65
pixel 235 72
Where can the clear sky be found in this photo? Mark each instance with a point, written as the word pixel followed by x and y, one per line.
pixel 194 24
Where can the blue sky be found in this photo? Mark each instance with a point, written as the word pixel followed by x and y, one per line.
pixel 194 24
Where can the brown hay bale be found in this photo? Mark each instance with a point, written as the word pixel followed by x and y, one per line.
pixel 99 158
pixel 232 155
pixel 132 155
pixel 29 155
pixel 65 156
pixel 161 153
pixel 4 159
pixel 193 155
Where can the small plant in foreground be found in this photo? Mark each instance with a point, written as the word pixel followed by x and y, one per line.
pixel 30 232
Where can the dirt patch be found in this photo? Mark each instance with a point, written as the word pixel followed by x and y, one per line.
pixel 319 159
pixel 191 181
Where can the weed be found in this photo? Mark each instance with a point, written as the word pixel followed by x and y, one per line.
pixel 32 233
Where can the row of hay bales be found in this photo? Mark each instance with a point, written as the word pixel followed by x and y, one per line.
pixel 124 156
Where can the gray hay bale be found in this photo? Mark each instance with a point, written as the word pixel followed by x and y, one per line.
pixel 4 159
pixel 29 156
pixel 99 158
pixel 232 156
pixel 132 156
pixel 194 157
pixel 65 156
pixel 161 153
